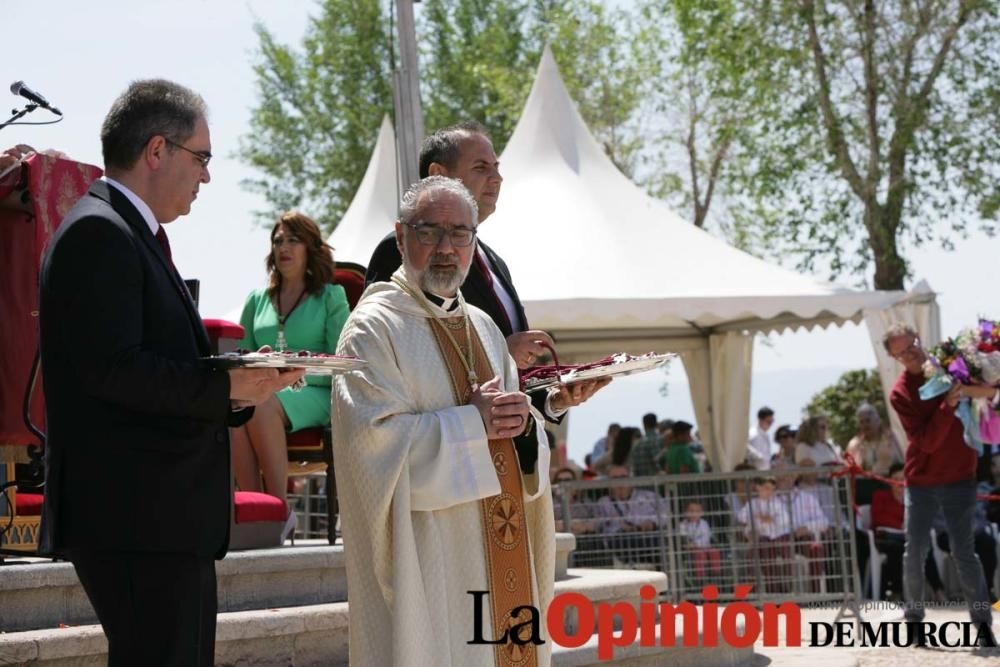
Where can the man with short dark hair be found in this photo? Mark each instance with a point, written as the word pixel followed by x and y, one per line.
pixel 678 457
pixel 465 152
pixel 138 493
pixel 760 441
pixel 648 449
pixel 785 439
pixel 940 473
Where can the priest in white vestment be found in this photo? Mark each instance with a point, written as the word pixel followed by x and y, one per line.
pixel 415 472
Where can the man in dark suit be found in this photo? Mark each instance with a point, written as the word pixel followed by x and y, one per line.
pixel 138 493
pixel 465 152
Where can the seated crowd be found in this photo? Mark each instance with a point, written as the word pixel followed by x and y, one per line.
pixel 769 507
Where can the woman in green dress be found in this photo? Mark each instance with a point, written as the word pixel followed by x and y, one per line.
pixel 300 309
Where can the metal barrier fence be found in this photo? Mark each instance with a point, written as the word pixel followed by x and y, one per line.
pixel 309 503
pixel 790 535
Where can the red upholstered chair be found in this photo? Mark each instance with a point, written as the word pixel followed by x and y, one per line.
pixel 351 277
pixel 28 504
pixel 223 335
pixel 258 520
pixel 311 449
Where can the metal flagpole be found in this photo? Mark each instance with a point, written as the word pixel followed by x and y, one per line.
pixel 406 94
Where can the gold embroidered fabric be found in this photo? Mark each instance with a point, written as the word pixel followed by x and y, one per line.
pixel 504 528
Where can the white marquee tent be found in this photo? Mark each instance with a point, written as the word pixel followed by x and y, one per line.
pixel 373 210
pixel 606 268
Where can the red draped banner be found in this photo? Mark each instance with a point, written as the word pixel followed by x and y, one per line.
pixel 30 213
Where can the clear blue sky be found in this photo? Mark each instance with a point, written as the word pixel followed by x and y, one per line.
pixel 82 55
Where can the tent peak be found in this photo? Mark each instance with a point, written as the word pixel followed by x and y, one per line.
pixel 369 217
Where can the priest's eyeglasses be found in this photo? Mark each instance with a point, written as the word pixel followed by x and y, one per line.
pixel 203 156
pixel 461 237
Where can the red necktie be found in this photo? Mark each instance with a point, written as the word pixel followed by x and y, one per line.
pixel 161 236
pixel 481 263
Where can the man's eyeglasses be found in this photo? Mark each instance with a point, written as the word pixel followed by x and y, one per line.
pixel 203 156
pixel 461 237
pixel 907 351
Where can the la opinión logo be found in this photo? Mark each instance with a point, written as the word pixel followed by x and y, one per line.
pixel 699 629
pixel 654 625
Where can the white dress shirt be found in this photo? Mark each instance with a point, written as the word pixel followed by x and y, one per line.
pixel 140 205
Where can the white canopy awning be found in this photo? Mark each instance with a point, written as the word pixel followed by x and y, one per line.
pixel 604 267
pixel 591 251
pixel 373 210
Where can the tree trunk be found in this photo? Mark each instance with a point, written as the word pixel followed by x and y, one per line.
pixel 890 267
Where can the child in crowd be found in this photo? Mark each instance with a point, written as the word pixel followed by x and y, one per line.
pixel 767 515
pixel 698 538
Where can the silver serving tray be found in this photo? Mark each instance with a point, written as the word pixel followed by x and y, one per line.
pixel 622 365
pixel 328 365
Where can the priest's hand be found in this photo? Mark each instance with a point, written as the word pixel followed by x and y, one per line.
pixel 569 396
pixel 253 386
pixel 504 414
pixel 527 346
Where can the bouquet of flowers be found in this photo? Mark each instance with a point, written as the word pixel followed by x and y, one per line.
pixel 972 357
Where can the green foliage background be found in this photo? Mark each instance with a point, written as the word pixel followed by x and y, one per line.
pixel 840 401
pixel 836 134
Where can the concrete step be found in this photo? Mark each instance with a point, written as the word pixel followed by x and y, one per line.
pixel 44 594
pixel 302 635
pixel 318 635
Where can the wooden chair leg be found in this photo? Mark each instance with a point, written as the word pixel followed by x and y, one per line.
pixel 332 507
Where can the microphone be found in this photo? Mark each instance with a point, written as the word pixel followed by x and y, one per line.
pixel 18 88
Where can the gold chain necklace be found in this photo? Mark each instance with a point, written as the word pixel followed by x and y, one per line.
pixel 467 359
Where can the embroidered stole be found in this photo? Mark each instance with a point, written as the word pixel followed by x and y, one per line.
pixel 505 536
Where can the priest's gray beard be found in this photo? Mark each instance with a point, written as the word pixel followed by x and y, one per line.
pixel 441 280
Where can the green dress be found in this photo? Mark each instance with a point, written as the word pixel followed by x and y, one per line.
pixel 314 325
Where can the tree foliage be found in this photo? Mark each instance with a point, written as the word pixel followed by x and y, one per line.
pixel 479 59
pixel 476 63
pixel 840 401
pixel 883 127
pixel 320 105
pixel 707 77
pixel 838 133
pixel 319 110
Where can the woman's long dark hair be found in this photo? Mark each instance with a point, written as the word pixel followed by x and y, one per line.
pixel 319 256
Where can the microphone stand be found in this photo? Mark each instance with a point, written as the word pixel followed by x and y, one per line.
pixel 18 114
pixel 35 474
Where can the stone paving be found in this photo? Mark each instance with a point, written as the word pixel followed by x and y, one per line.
pixel 877 657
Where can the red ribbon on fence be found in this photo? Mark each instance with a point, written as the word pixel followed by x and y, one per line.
pixel 853 470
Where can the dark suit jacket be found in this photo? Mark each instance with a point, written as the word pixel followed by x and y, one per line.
pixel 476 288
pixel 137 454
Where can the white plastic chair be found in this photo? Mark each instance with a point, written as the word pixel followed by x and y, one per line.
pixel 876 558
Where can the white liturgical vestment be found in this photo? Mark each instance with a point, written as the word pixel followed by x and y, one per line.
pixel 412 467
